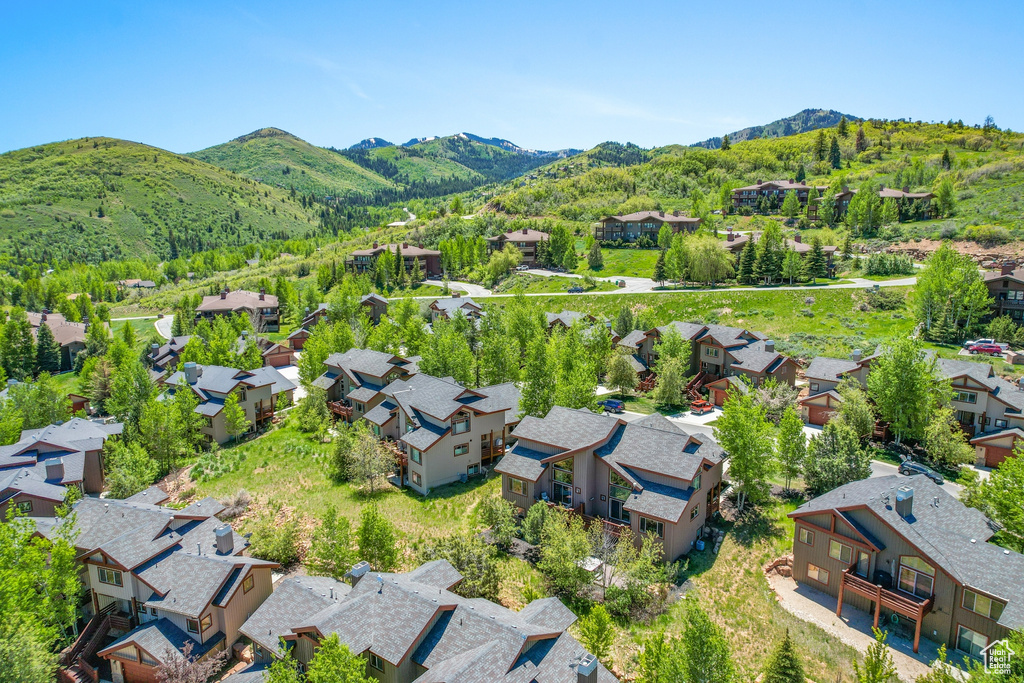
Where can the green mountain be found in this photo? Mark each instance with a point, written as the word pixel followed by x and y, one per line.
pixel 808 119
pixel 274 157
pixel 91 199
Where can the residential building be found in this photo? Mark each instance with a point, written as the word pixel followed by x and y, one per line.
pixel 353 380
pixel 158 578
pixel 647 475
pixel 35 471
pixel 904 199
pixel 70 335
pixel 915 557
pixel 525 240
pixel 565 319
pixel 375 306
pixel 297 339
pixel 364 260
pixel 1007 290
pixel 274 355
pixel 136 283
pixel 736 243
pixel 774 191
pixel 412 627
pixel 165 357
pixel 446 431
pixel 823 376
pixel 261 307
pixel 258 391
pixel 632 226
pixel 447 308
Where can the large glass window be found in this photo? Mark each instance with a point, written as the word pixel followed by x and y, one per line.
pixel 970 641
pixel 460 423
pixel 653 526
pixel 618 493
pixel 965 396
pixel 416 456
pixel 561 484
pixel 518 486
pixel 838 551
pixel 917 577
pixel 817 573
pixel 983 605
pixel 109 576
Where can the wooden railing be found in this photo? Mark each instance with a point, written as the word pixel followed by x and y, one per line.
pixel 339 408
pixel 613 528
pixel 692 388
pixel 264 413
pixel 647 383
pixel 910 607
pixel 90 672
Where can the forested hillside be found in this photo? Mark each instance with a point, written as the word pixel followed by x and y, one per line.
pixel 808 119
pixel 94 199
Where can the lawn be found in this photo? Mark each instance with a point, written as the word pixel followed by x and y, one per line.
pixel 804 323
pixel 143 327
pixel 628 262
pixel 540 284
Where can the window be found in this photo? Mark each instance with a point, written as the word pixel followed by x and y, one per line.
pixel 460 423
pixel 376 662
pixel 970 641
pixel 863 562
pixel 838 551
pixel 814 386
pixel 192 625
pixel 1000 423
pixel 696 483
pixel 980 604
pixel 473 469
pixel 708 351
pixel 517 486
pixel 241 395
pixel 359 407
pixel 653 526
pixel 695 511
pixel 916 576
pixel 817 573
pixel 23 507
pixel 140 608
pixel 618 493
pixel 561 486
pixel 109 576
pixel 462 449
pixel 806 536
pixel 417 479
pixel 247 584
pixel 965 396
pixel 207 622
pixel 416 456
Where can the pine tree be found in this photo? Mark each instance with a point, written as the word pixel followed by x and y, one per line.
pixel 399 264
pixel 820 146
pixel 595 259
pixel 726 145
pixel 812 201
pixel 834 155
pixel 659 267
pixel 746 274
pixel 17 348
pixel 624 321
pixel 947 161
pixel 844 127
pixel 861 143
pixel 48 350
pixel 790 205
pixel 815 262
pixel 784 665
pixel 801 174
pixel 416 275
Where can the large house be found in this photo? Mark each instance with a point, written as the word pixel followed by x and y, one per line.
pixel 157 579
pixel 70 335
pixel 565 319
pixel 647 475
pixel 772 190
pixel 447 308
pixel 823 376
pixel 1007 290
pixel 257 391
pixel 260 306
pixel 525 240
pixel 632 226
pixel 904 550
pixel 165 357
pixel 274 355
pixel 364 260
pixel 903 197
pixel 717 352
pixel 35 471
pixel 412 627
pixel 448 432
pixel 375 306
pixel 353 380
pixel 735 243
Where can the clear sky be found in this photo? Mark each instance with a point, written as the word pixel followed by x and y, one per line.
pixel 547 75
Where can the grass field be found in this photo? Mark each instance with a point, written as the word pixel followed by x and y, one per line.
pixel 540 284
pixel 623 262
pixel 144 328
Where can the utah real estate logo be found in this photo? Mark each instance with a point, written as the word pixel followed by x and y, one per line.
pixel 997 657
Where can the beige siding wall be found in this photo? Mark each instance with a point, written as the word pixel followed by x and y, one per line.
pixel 242 604
pixel 440 464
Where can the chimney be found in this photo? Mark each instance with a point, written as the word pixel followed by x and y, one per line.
pixel 676 213
pixel 798 238
pixel 263 294
pixel 729 237
pixel 526 231
pixel 905 501
pixel 191 372
pixel 456 294
pixel 759 182
pixel 906 188
pixel 405 245
pixel 85 322
pixel 855 356
pixel 792 181
pixel 154 347
pixel 586 670
pixel 55 469
pixel 769 346
pixel 42 316
pixel 245 334
pixel 358 571
pixel 661 214
pixel 225 539
pixel 375 245
pixel 224 293
pixel 1006 268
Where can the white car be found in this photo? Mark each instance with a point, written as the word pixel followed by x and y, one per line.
pixel 522 267
pixel 969 344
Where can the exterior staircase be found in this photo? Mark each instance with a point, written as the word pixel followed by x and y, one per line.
pixel 694 386
pixel 74 664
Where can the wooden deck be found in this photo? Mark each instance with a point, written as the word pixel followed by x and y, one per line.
pixel 340 409
pixel 900 603
pixel 613 528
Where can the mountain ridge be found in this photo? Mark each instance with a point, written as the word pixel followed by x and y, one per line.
pixel 801 122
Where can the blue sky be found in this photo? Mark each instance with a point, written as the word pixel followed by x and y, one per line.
pixel 186 75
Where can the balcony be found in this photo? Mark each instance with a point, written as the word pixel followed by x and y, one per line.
pixel 614 529
pixel 903 604
pixel 340 409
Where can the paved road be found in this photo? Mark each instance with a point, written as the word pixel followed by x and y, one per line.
pixel 163 326
pixel 468 288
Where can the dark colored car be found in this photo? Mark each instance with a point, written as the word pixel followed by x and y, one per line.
pixel 909 467
pixel 612 405
pixel 993 349
pixel 575 289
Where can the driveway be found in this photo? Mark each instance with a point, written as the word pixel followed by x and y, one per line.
pixel 291 373
pixel 467 288
pixel 163 326
pixel 884 469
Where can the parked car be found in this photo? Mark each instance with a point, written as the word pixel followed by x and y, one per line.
pixel 701 407
pixel 612 405
pixel 991 349
pixel 575 289
pixel 620 283
pixel 992 342
pixel 522 267
pixel 910 467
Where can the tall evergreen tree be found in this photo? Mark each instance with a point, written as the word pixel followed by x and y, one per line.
pixel 746 273
pixel 801 174
pixel 843 128
pixel 17 348
pixel 726 145
pixel 784 664
pixel 48 350
pixel 834 155
pixel 820 146
pixel 861 142
pixel 815 262
pixel 659 268
pixel 790 205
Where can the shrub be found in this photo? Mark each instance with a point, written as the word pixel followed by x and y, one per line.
pixel 274 540
pixel 499 514
pixel 235 504
pixel 987 235
pixel 885 299
pixel 474 559
pixel 534 522
pixel 889 264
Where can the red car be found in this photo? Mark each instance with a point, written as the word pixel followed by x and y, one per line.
pixel 992 349
pixel 701 407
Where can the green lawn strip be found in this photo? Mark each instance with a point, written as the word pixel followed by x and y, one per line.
pixel 623 262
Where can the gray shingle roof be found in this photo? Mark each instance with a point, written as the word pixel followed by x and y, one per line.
pixel 829 369
pixel 359 362
pixel 567 318
pixel 237 300
pixel 452 304
pixel 381 413
pixel 633 339
pixel 162 636
pixel 687 330
pixel 677 455
pixel 293 600
pixel 566 428
pixel 522 463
